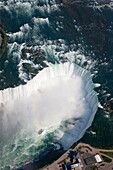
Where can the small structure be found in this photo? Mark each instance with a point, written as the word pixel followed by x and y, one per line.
pixel 98 158
pixel 77 166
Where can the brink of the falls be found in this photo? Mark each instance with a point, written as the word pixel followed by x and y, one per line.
pixel 60 100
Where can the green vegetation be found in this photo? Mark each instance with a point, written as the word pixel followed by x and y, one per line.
pixel 4 41
pixel 82 147
pixel 93 168
pixel 29 68
pixel 74 145
pixel 79 149
pixel 106 159
pixel 23 56
pixel 105 147
pixel 108 153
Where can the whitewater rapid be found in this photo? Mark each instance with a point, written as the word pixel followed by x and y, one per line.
pixel 60 99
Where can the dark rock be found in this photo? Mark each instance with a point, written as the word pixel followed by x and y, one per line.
pixel 3 41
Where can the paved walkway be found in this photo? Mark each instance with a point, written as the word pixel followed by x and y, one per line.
pixel 85 148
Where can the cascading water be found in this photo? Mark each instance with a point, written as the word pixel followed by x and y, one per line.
pixel 59 100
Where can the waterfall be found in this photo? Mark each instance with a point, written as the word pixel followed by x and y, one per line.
pixel 60 99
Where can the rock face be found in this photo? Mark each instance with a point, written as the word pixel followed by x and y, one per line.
pixel 87 2
pixel 67 1
pixel 3 41
pixel 99 2
pixel 0 40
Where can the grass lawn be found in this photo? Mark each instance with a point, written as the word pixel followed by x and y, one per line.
pixel 106 159
pixel 108 153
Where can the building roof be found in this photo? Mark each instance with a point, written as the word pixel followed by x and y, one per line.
pixel 98 158
pixel 89 159
pixel 76 166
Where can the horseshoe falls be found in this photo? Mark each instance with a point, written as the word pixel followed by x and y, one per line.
pixel 60 100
